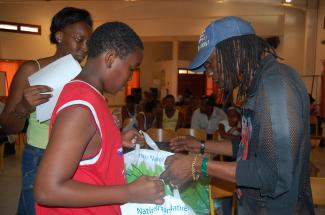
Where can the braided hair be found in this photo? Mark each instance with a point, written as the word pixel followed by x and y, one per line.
pixel 240 57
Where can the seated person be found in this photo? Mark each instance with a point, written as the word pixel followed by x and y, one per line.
pixel 171 117
pixel 129 112
pixel 148 117
pixel 208 116
pixel 230 128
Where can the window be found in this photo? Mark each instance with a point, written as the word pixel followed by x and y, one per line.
pixel 186 71
pixel 20 28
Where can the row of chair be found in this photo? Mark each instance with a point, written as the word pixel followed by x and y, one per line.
pixel 165 135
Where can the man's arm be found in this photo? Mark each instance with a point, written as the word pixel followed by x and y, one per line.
pixel 190 144
pixel 179 169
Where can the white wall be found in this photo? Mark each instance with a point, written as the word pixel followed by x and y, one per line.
pixel 292 39
pixel 320 52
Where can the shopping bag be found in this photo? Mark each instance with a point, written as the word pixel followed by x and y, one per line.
pixel 152 163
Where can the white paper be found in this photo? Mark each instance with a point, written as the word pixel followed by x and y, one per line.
pixel 54 75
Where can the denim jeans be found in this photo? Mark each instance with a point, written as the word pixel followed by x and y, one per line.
pixel 30 161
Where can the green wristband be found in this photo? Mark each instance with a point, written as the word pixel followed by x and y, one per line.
pixel 204 166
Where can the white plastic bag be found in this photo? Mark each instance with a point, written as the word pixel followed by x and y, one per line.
pixel 152 163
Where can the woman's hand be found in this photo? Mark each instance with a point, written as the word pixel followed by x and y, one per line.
pixel 185 143
pixel 130 137
pixel 178 169
pixel 146 189
pixel 34 96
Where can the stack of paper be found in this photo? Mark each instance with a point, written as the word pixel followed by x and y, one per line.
pixel 54 75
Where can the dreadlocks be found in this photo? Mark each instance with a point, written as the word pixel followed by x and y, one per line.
pixel 240 56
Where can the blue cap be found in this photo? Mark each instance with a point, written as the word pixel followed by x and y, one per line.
pixel 215 33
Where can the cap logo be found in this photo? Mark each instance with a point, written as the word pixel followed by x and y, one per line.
pixel 203 41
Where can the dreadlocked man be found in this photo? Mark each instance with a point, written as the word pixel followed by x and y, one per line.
pixel 272 156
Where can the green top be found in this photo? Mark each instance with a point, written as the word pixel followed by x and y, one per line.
pixel 37 133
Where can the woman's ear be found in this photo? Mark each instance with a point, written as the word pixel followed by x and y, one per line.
pixel 59 36
pixel 109 58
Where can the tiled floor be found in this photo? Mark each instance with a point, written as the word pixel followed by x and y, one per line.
pixel 10 182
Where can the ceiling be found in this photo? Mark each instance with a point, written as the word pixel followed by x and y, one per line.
pixel 302 4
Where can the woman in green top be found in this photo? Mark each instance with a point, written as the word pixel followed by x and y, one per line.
pixel 70 29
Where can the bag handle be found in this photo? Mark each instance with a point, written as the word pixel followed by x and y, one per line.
pixel 149 141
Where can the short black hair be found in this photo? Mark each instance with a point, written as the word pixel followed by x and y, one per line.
pixel 130 98
pixel 169 96
pixel 115 36
pixel 68 16
pixel 209 100
pixel 149 106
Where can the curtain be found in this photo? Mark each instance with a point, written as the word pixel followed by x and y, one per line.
pixel 9 68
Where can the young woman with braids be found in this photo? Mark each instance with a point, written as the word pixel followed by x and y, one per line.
pixel 272 158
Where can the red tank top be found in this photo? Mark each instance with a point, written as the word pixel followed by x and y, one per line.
pixel 104 168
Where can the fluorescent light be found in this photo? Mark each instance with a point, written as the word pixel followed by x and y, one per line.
pixel 8 27
pixel 29 29
pixel 288 1
pixel 182 71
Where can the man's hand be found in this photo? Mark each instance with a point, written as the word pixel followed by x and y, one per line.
pixel 185 143
pixel 178 169
pixel 130 137
pixel 146 189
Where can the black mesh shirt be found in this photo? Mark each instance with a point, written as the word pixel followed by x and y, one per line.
pixel 273 156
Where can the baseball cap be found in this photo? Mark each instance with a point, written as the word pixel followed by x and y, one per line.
pixel 216 32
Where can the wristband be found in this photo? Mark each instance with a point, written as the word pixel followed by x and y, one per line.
pixel 204 166
pixel 195 175
pixel 202 148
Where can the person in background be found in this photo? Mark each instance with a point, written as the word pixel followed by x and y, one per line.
pixel 148 117
pixel 231 128
pixel 171 118
pixel 8 140
pixel 70 32
pixel 129 113
pixel 82 170
pixel 3 135
pixel 190 104
pixel 208 116
pixel 272 166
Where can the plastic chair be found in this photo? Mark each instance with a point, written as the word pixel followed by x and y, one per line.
pixel 161 135
pixel 317 189
pixel 219 189
pixel 198 133
pixel 216 135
